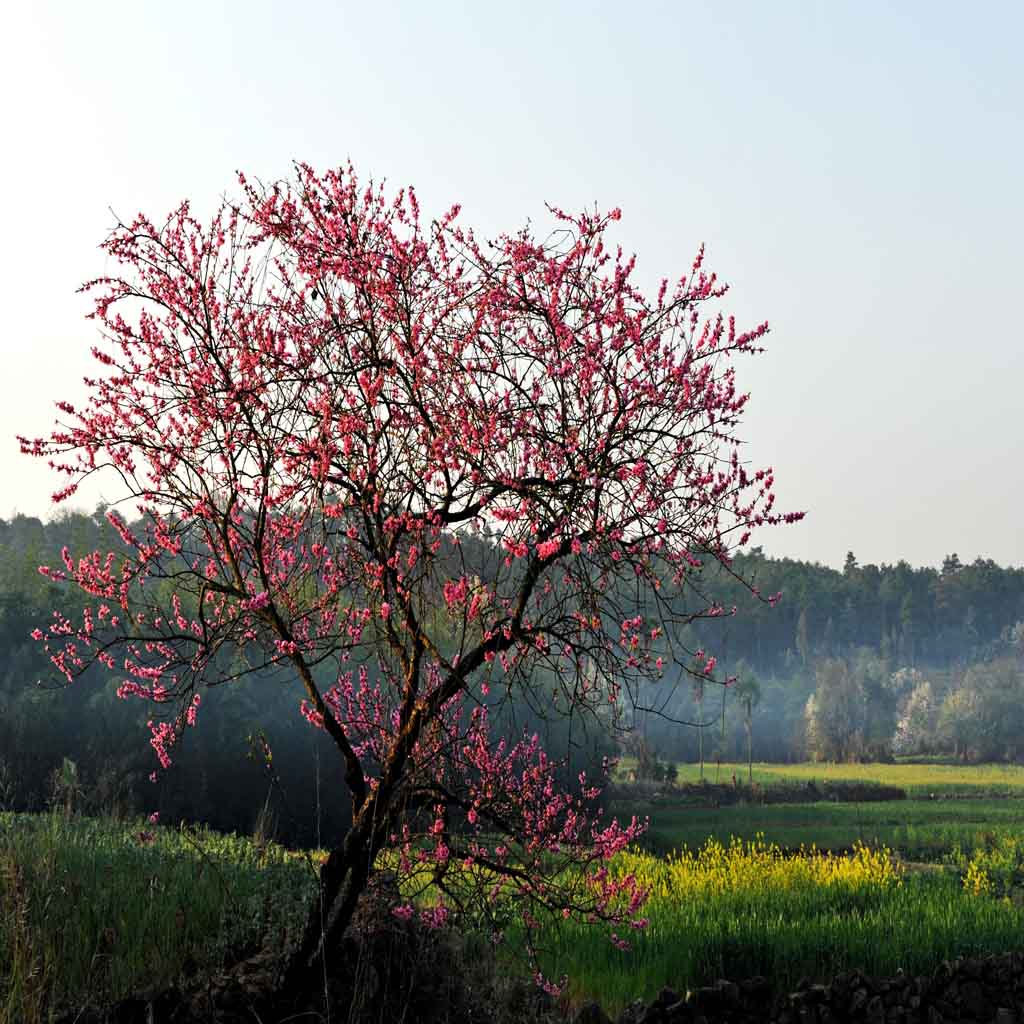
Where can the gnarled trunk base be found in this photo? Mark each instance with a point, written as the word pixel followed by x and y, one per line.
pixel 343 880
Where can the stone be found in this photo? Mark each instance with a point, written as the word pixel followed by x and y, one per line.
pixel 818 994
pixel 652 1015
pixel 982 990
pixel 973 1001
pixel 730 992
pixel 706 999
pixel 678 1013
pixel 633 1013
pixel 666 997
pixel 591 1013
pixel 756 987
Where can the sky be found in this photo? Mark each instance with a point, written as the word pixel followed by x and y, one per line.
pixel 854 170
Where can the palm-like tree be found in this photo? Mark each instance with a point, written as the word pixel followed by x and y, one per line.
pixel 748 693
pixel 698 699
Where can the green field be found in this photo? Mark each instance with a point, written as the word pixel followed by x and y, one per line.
pixel 740 911
pixel 919 780
pixel 947 806
pixel 916 829
pixel 93 910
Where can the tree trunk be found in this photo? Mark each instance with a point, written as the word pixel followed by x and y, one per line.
pixel 700 730
pixel 750 753
pixel 343 878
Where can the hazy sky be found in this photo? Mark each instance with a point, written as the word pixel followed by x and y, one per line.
pixel 855 170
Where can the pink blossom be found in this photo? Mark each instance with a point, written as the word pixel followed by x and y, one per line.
pixel 548 548
pixel 319 405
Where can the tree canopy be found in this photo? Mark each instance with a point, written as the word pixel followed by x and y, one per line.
pixel 314 403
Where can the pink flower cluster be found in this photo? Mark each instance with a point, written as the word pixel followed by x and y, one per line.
pixel 416 473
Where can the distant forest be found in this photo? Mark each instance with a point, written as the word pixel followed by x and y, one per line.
pixel 870 661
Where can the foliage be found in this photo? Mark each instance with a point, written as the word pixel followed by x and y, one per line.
pixel 982 717
pixel 66 786
pixel 919 617
pixel 836 713
pixel 649 767
pixel 915 726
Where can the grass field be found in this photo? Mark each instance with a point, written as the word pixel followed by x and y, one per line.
pixel 947 806
pixel 94 910
pixel 919 780
pixel 916 829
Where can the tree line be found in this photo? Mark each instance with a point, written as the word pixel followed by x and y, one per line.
pixel 868 663
pixel 258 764
pixel 921 617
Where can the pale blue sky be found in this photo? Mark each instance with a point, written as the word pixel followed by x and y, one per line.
pixel 854 168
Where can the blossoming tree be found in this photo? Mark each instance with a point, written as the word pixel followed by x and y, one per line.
pixel 318 405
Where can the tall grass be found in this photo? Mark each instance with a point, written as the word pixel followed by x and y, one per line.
pixel 94 910
pixel 747 909
pixel 994 867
